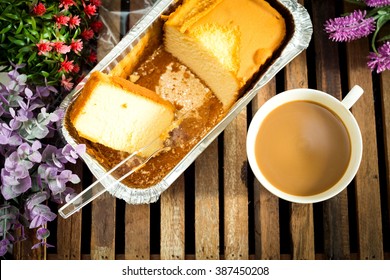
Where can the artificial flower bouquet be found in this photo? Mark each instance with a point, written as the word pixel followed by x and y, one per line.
pixel 45 46
pixel 365 22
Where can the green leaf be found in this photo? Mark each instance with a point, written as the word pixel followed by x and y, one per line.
pixel 32 57
pixel 382 20
pixel 6 29
pixel 45 74
pixel 384 38
pixel 26 49
pixel 16 41
pixel 34 33
pixel 11 16
pixel 50 62
pixel 373 12
pixel 20 55
pixel 20 27
pixel 33 23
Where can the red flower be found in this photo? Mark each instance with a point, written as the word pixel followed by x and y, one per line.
pixel 66 66
pixel 74 21
pixel 66 4
pixel 43 47
pixel 76 46
pixel 96 26
pixel 39 10
pixel 87 34
pixel 76 68
pixel 66 83
pixel 61 20
pixel 97 3
pixel 90 10
pixel 92 57
pixel 80 78
pixel 60 47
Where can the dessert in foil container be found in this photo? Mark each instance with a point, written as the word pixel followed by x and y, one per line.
pixel 207 93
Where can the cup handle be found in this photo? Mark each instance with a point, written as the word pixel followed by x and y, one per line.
pixel 352 96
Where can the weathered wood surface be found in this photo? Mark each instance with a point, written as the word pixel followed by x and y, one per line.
pixel 218 210
pixel 267 220
pixel 207 204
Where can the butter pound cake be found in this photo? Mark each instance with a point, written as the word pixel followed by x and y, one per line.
pixel 224 42
pixel 121 115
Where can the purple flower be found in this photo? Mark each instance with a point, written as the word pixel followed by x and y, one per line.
pixel 38 213
pixel 42 234
pixel 68 194
pixel 15 177
pixel 377 3
pixel 351 27
pixel 4 245
pixel 56 179
pixel 8 136
pixel 58 157
pixel 70 154
pixel 381 60
pixel 25 151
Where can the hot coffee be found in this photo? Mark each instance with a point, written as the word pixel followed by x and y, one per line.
pixel 302 148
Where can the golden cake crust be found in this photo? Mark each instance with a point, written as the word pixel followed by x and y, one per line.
pixel 96 78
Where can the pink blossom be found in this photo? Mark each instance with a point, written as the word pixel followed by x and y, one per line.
pixel 76 46
pixel 66 83
pixel 39 10
pixel 351 27
pixel 60 47
pixel 44 47
pixel 375 3
pixel 66 66
pixel 97 3
pixel 92 57
pixel 380 60
pixel 87 34
pixel 61 20
pixel 96 26
pixel 66 4
pixel 90 10
pixel 74 21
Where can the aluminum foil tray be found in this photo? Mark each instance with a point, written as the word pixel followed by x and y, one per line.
pixel 299 40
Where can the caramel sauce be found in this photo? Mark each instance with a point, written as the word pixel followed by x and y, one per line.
pixel 165 75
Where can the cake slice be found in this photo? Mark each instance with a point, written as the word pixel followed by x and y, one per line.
pixel 121 115
pixel 224 42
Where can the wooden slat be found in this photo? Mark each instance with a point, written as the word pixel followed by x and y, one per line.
pixel 69 230
pixel 172 244
pixel 137 217
pixel 301 220
pixel 137 232
pixel 235 190
pixel 207 204
pixel 104 207
pixel 267 232
pixel 22 250
pixel 385 90
pixel 103 228
pixel 335 210
pixel 369 218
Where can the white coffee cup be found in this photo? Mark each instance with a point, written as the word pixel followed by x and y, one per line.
pixel 340 108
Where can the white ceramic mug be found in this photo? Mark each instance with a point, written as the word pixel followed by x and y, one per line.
pixel 340 108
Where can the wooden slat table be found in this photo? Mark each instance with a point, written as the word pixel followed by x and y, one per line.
pixel 218 210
